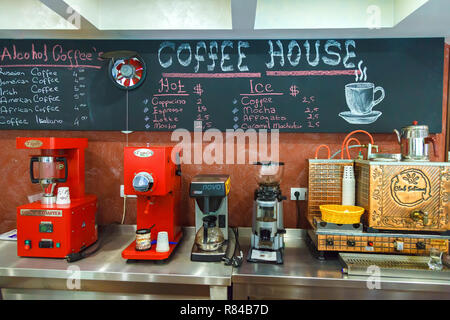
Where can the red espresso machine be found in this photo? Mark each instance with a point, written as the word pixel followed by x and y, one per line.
pixel 47 229
pixel 151 175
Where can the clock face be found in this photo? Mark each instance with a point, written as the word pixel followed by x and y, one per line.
pixel 128 73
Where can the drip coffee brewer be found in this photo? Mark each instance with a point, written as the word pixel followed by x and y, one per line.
pixel 267 241
pixel 211 216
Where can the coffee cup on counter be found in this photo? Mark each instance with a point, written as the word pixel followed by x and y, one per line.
pixel 144 239
pixel 63 195
pixel 162 242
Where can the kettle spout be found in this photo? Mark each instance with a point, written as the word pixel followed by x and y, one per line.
pixel 399 138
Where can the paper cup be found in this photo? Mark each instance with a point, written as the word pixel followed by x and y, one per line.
pixel 162 242
pixel 63 195
pixel 348 186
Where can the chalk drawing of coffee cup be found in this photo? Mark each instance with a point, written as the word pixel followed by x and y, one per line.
pixel 360 97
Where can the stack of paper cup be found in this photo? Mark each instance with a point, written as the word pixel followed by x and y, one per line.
pixel 63 195
pixel 348 186
pixel 162 242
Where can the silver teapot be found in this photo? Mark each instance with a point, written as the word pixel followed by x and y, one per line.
pixel 414 140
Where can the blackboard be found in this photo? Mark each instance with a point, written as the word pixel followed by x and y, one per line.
pixel 290 85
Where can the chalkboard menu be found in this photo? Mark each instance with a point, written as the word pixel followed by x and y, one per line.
pixel 290 85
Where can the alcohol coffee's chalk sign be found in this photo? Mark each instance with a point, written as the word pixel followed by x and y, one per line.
pixel 290 85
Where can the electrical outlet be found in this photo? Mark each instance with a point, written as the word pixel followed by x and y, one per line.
pixel 122 192
pixel 302 192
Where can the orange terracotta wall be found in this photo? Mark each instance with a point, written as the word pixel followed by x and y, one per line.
pixel 104 171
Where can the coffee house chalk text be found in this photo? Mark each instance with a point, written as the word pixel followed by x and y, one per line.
pixel 228 56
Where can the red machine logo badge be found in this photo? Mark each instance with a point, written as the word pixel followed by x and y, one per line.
pixel 143 153
pixel 33 143
pixel 41 212
pixel 410 188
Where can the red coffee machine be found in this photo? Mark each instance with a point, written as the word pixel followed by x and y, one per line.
pixel 45 228
pixel 151 175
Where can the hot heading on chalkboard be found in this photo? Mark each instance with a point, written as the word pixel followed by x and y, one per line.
pixel 290 85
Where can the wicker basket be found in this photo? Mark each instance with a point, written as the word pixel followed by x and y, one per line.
pixel 325 183
pixel 339 214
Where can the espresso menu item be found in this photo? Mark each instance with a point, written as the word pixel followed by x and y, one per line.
pixel 288 85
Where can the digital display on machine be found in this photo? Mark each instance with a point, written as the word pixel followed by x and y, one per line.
pixel 46 243
pixel 45 227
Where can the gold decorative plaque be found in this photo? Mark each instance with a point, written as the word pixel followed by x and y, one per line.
pixel 33 143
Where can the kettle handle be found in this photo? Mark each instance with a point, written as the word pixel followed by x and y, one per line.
pixel 399 138
pixel 432 140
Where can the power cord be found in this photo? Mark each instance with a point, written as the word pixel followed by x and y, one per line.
pixel 297 196
pixel 84 253
pixel 124 208
pixel 235 260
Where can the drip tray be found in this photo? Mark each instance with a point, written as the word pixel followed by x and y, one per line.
pixel 391 266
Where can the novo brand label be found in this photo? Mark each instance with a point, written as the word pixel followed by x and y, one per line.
pixel 208 187
pixel 41 213
pixel 410 188
pixel 33 143
pixel 143 153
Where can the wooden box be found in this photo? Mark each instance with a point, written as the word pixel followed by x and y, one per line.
pixel 404 195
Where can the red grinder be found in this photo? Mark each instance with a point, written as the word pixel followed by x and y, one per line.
pixel 151 175
pixel 48 229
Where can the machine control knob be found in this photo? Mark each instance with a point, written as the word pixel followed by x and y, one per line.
pixel 398 245
pixel 143 182
pixel 351 243
pixel 420 245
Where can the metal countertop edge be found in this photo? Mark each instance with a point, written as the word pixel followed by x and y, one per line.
pixel 346 282
pixel 119 276
pixel 233 277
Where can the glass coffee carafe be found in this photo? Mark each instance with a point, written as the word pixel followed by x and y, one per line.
pixel 209 237
pixel 48 175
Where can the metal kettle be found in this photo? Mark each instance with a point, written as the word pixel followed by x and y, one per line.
pixel 414 140
pixel 209 237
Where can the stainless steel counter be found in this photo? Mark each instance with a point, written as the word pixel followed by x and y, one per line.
pixel 106 273
pixel 302 276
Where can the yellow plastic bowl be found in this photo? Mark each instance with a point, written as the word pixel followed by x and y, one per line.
pixel 338 214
